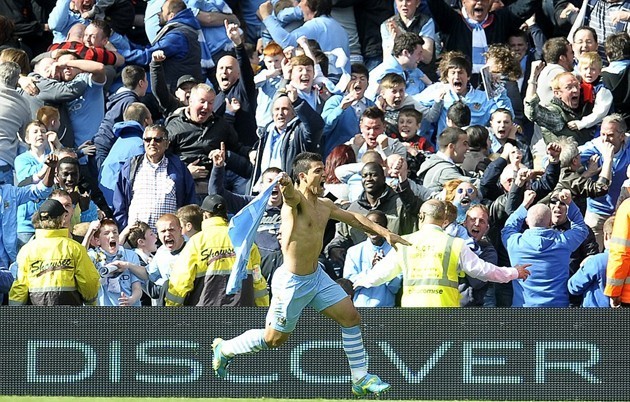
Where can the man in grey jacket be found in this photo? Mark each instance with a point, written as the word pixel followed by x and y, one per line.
pixel 14 116
pixel 443 165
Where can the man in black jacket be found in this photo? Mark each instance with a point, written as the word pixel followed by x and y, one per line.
pixel 195 130
pixel 296 128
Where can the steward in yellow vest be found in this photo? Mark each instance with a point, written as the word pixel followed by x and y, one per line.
pixel 433 263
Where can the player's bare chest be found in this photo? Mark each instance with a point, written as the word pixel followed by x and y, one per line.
pixel 314 216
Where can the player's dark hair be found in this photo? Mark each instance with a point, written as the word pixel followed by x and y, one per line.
pixel 302 163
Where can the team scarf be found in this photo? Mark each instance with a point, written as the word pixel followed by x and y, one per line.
pixel 479 40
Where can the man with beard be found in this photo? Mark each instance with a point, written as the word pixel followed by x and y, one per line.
pixel 400 206
pixel 563 107
pixel 342 113
pixel 301 281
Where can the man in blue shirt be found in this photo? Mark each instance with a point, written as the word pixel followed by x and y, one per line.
pixel 362 258
pixel 601 208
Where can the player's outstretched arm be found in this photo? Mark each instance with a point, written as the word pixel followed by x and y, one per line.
pixel 361 222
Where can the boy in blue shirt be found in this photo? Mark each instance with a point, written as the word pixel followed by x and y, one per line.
pixel 119 286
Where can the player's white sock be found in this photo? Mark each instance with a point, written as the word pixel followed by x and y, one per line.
pixel 251 341
pixel 353 346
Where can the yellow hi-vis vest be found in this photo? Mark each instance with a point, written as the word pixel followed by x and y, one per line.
pixel 429 267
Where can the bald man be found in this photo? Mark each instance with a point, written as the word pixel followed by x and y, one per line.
pixel 547 250
pixel 235 79
pixel 430 272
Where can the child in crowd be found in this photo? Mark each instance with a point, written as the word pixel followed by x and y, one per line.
pixel 502 130
pixel 49 116
pixel 268 82
pixel 392 98
pixel 142 239
pixel 31 164
pixel 590 279
pixel 190 218
pixel 301 71
pixel 409 120
pixel 119 285
pixel 597 99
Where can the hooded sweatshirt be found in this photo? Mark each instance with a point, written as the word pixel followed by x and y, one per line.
pixel 106 137
pixel 128 144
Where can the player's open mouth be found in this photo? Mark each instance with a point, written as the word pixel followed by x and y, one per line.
pixel 169 242
pixel 113 244
pixel 474 231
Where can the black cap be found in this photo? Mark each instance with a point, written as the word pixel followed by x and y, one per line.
pixel 51 209
pixel 185 79
pixel 215 204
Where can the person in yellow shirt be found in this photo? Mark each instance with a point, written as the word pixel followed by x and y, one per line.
pixel 432 264
pixel 202 271
pixel 53 269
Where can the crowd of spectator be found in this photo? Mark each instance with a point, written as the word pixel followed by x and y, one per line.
pixel 489 133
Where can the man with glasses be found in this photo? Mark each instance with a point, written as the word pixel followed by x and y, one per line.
pixel 545 248
pixel 152 184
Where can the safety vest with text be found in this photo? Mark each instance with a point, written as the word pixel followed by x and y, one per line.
pixel 430 269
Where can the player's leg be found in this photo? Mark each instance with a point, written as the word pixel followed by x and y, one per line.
pixel 282 317
pixel 341 309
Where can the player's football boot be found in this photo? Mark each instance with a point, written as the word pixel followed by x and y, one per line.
pixel 220 362
pixel 370 384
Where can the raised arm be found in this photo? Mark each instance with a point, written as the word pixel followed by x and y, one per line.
pixel 290 195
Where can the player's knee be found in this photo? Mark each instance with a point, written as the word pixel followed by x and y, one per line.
pixel 351 319
pixel 275 339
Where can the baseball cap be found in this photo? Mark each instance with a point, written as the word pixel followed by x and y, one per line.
pixel 51 209
pixel 185 79
pixel 214 204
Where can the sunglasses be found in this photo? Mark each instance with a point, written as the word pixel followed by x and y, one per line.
pixel 469 190
pixel 556 201
pixel 158 140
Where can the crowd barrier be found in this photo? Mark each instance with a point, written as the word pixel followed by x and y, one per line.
pixel 489 354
